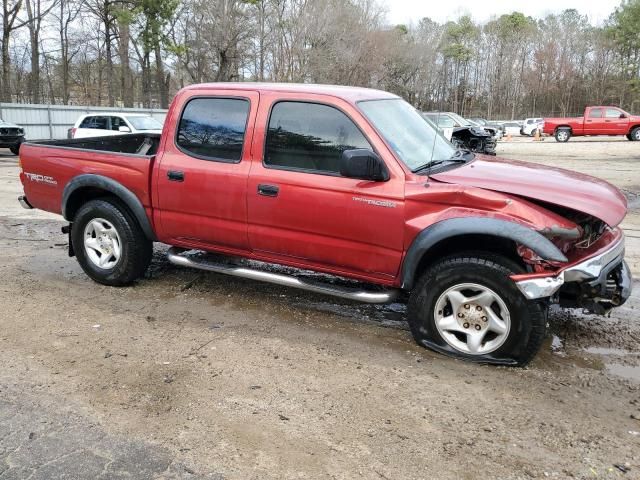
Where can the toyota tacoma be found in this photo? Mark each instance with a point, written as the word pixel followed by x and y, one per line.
pixel 352 183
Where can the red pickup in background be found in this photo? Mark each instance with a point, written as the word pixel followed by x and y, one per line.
pixel 596 121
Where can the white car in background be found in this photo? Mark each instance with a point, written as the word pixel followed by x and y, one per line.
pixel 511 128
pixel 530 126
pixel 107 124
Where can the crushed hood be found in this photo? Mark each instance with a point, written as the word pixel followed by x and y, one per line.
pixel 8 124
pixel 557 186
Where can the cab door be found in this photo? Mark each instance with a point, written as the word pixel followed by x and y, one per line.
pixel 616 121
pixel 201 178
pixel 594 123
pixel 302 211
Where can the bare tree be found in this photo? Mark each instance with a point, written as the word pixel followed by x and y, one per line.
pixel 36 11
pixel 10 23
pixel 133 52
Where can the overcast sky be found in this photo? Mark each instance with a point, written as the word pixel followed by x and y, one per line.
pixel 411 11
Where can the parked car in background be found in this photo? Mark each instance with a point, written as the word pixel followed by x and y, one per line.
pixel 530 126
pixel 442 123
pixel 512 128
pixel 596 121
pixel 11 136
pixel 106 124
pixel 466 134
pixel 486 123
pixel 350 182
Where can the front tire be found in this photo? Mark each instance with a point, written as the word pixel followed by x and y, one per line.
pixel 466 306
pixel 563 135
pixel 634 135
pixel 109 243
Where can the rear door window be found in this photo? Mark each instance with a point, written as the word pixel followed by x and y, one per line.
pixel 310 137
pixel 97 123
pixel 86 122
pixel 213 128
pixel 117 122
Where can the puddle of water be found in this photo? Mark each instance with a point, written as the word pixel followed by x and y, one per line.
pixel 608 351
pixel 557 347
pixel 631 372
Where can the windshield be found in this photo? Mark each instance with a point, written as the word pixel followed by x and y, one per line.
pixel 416 142
pixel 145 123
pixel 462 121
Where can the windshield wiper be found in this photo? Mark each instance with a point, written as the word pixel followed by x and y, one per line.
pixel 460 156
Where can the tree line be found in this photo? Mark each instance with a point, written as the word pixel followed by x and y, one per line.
pixel 140 52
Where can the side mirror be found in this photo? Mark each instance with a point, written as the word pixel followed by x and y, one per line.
pixel 363 164
pixel 622 115
pixel 124 129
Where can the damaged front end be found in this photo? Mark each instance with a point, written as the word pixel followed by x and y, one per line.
pixel 474 139
pixel 596 278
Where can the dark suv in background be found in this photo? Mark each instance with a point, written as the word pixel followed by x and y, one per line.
pixel 11 136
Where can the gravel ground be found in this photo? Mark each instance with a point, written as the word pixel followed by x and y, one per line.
pixel 195 375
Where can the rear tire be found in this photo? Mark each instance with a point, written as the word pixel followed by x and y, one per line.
pixel 109 244
pixel 466 306
pixel 634 136
pixel 15 149
pixel 563 135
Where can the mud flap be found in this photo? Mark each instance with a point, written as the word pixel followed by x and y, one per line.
pixel 67 231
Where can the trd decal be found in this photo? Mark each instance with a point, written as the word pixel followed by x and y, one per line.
pixel 36 177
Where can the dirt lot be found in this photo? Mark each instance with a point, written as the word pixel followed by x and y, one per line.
pixel 190 375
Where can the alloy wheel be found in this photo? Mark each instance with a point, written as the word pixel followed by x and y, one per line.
pixel 102 243
pixel 472 318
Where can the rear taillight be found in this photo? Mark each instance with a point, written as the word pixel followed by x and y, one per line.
pixel 73 132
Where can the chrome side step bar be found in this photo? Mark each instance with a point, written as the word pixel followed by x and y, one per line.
pixel 382 296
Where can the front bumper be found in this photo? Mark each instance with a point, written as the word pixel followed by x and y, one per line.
pixel 7 141
pixel 597 284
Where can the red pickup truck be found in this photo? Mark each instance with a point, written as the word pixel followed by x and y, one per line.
pixel 349 182
pixel 596 121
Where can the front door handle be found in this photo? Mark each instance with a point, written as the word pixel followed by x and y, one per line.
pixel 175 176
pixel 268 190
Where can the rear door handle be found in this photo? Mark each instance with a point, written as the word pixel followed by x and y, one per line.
pixel 268 190
pixel 175 176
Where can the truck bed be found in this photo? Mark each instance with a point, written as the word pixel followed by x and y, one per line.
pixel 49 165
pixel 136 144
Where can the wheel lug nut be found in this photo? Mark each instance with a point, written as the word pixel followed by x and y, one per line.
pixel 460 315
pixel 478 327
pixel 465 325
pixel 484 319
pixel 478 308
pixel 467 306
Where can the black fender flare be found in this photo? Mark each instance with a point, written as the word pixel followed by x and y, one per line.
pixel 454 227
pixel 107 184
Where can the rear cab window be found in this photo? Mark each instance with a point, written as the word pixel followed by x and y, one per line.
pixel 310 137
pixel 213 128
